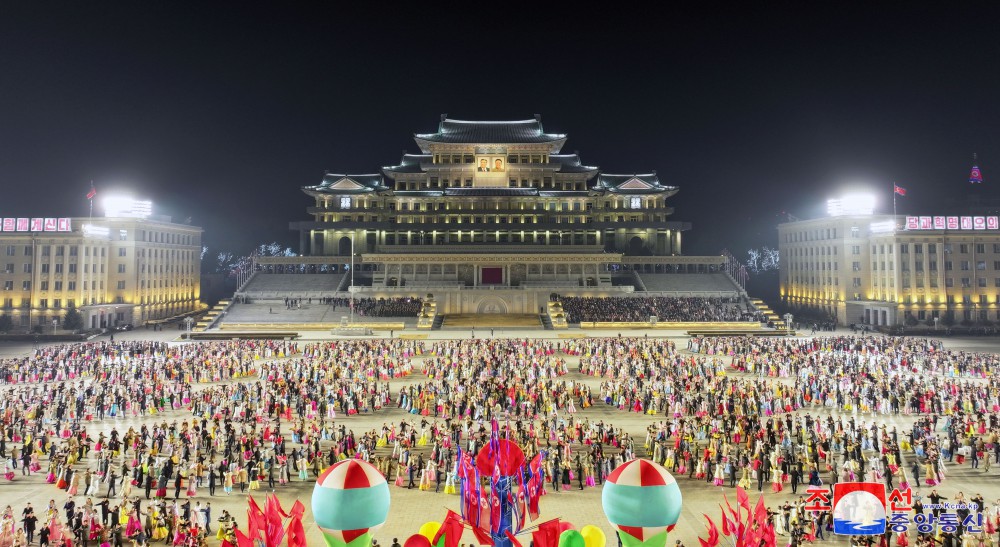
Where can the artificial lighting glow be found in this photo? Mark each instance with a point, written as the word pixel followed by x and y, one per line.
pixel 97 231
pixel 883 226
pixel 851 204
pixel 121 206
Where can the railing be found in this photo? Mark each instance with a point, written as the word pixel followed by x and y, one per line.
pixel 719 325
pixel 490 248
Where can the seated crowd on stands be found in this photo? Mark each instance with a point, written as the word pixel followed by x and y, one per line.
pixel 381 307
pixel 665 308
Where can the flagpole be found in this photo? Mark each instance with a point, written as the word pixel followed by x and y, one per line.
pixel 894 205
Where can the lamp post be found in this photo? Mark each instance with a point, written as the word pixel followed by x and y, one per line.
pixel 188 321
pixel 55 324
pixel 351 288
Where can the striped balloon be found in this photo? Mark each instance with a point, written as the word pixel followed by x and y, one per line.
pixel 350 498
pixel 641 498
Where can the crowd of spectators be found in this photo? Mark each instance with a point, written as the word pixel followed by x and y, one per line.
pixel 665 308
pixel 381 307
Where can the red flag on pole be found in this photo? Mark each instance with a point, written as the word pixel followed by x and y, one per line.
pixel 899 190
pixel 92 192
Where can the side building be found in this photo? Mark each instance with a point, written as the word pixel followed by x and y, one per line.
pixel 893 270
pixel 114 270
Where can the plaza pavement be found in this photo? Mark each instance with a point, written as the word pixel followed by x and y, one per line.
pixel 411 508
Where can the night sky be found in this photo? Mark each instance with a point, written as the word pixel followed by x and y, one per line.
pixel 222 111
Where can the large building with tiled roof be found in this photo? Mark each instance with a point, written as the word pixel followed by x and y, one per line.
pixel 494 204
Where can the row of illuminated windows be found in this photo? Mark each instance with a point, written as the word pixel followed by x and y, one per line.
pixel 632 202
pixel 169 238
pixel 963 248
pixel 433 183
pixel 490 219
pixel 11 250
pixel 816 235
pixel 59 268
pixel 492 237
pixel 471 159
pixel 8 303
pixel 964 282
pixel 57 303
pixel 819 251
pixel 820 280
pixel 820 266
pixel 964 265
pixel 923 315
pixel 44 285
pixel 57 286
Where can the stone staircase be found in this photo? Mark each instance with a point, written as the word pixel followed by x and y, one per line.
pixel 212 316
pixel 546 322
pixel 779 323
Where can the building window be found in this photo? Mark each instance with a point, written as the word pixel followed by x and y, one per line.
pixel 965 265
pixel 980 248
pixel 904 248
pixel 121 268
pixel 966 283
pixel 122 251
pixel 45 285
pixel 981 282
pixel 121 285
pixel 963 248
pixel 10 250
pixel 27 250
pixel 9 285
pixel 26 285
pixel 45 268
pixel 27 267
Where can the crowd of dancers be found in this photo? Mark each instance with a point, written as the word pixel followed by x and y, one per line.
pixel 139 436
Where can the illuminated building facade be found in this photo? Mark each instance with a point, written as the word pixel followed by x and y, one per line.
pixel 113 270
pixel 886 270
pixel 495 205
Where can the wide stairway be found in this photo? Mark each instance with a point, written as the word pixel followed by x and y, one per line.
pixel 265 285
pixel 688 283
pixel 491 320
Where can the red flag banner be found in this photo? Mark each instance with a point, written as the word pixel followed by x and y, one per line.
pixel 899 190
pixel 975 176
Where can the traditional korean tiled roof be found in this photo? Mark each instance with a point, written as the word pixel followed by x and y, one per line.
pixel 347 184
pixel 570 163
pixel 633 184
pixel 490 132
pixel 410 163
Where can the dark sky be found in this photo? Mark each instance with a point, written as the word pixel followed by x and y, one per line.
pixel 222 111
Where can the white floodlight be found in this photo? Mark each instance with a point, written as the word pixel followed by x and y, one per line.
pixel 883 226
pixel 851 204
pixel 122 206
